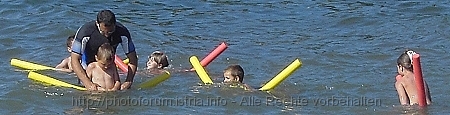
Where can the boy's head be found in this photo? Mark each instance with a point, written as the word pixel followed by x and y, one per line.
pixel 157 60
pixel 69 42
pixel 105 55
pixel 405 61
pixel 233 73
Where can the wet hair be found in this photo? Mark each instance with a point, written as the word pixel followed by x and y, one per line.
pixel 107 17
pixel 105 52
pixel 160 58
pixel 405 60
pixel 69 40
pixel 236 70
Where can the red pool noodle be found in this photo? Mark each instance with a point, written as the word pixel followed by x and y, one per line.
pixel 419 80
pixel 211 56
pixel 120 64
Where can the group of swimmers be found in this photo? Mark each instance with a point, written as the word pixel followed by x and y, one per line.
pixel 104 74
pixel 99 71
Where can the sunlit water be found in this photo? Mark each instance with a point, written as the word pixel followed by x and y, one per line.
pixel 348 49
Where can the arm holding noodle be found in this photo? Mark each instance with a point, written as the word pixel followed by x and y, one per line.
pixel 132 67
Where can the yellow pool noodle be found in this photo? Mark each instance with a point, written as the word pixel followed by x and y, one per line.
pixel 29 65
pixel 155 81
pixel 47 79
pixel 126 61
pixel 200 70
pixel 282 75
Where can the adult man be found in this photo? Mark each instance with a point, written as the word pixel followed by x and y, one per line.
pixel 91 35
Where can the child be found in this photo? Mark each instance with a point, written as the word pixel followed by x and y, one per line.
pixel 103 72
pixel 65 65
pixel 157 61
pixel 405 84
pixel 234 74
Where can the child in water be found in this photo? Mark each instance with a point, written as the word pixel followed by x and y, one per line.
pixel 156 63
pixel 405 82
pixel 103 72
pixel 65 65
pixel 235 74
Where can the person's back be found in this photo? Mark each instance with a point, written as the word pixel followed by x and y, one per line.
pixel 103 72
pixel 405 82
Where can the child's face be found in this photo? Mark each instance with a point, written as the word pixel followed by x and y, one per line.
pixel 151 64
pixel 104 64
pixel 229 78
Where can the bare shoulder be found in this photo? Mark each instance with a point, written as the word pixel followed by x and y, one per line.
pixel 91 66
pixel 67 59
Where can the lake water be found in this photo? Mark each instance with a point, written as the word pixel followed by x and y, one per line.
pixel 348 49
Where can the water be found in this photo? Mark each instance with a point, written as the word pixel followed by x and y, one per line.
pixel 348 50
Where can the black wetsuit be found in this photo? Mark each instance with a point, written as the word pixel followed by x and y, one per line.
pixel 88 39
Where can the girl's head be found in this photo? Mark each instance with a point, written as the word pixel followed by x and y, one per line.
pixel 404 62
pixel 157 60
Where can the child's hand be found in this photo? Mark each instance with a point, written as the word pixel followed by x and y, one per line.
pixel 125 85
pixel 101 89
pixel 92 87
pixel 398 77
pixel 96 85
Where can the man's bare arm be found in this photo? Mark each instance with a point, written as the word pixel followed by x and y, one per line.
pixel 81 74
pixel 132 67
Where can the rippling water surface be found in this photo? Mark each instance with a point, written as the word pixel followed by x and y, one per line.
pixel 348 49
